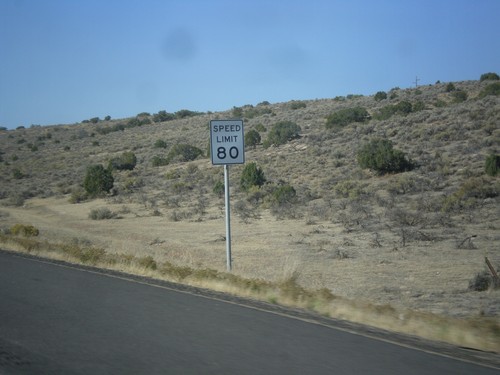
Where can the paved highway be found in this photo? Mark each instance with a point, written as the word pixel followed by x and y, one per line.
pixel 56 319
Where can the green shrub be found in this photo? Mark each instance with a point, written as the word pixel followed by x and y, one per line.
pixel 284 194
pixel 183 152
pixel 381 95
pixel 297 104
pixel 282 132
pixel 260 128
pixel 159 161
pixel 24 230
pixel 459 96
pixel 418 106
pixel 489 76
pixel 491 89
pixel 469 194
pixel 219 189
pixel 492 165
pixel 402 108
pixel 380 156
pixel 162 116
pixel 348 189
pixel 252 175
pixel 353 96
pixel 91 255
pixel 78 195
pixel 237 112
pixel 252 138
pixel 439 103
pixel 160 143
pixel 183 113
pixel 137 121
pixel 147 262
pixel 173 175
pixel 98 180
pixel 121 127
pixel 126 161
pixel 254 112
pixel 346 116
pixel 450 87
pixel 17 174
pixel 102 213
pixel 17 198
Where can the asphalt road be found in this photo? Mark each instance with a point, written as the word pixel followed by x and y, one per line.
pixel 56 319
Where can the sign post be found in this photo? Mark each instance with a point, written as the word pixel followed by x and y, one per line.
pixel 227 147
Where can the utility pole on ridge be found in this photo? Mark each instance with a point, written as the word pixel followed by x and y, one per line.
pixel 416 81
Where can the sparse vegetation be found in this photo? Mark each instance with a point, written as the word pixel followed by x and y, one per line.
pixel 252 175
pixel 380 156
pixel 24 230
pixel 346 116
pixel 281 133
pixel 403 108
pixel 313 221
pixel 159 161
pixel 160 143
pixel 252 138
pixel 219 189
pixel 450 87
pixel 470 194
pixel 162 116
pixel 491 89
pixel 297 104
pixel 380 95
pixel 102 213
pixel 183 152
pixel 98 180
pixel 284 194
pixel 492 165
pixel 126 161
pixel 459 96
pixel 489 77
pixel 17 174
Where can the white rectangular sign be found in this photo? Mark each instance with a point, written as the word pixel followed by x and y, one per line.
pixel 227 145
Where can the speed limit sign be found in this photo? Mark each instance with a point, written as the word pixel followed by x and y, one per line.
pixel 227 145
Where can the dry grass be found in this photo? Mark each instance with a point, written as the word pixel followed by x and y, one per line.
pixel 386 246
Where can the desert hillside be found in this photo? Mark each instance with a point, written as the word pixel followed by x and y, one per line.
pixel 412 233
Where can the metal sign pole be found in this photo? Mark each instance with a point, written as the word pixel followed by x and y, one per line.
pixel 227 146
pixel 228 218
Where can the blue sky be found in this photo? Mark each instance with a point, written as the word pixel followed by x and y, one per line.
pixel 63 61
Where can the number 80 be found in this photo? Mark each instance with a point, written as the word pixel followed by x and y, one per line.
pixel 233 152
